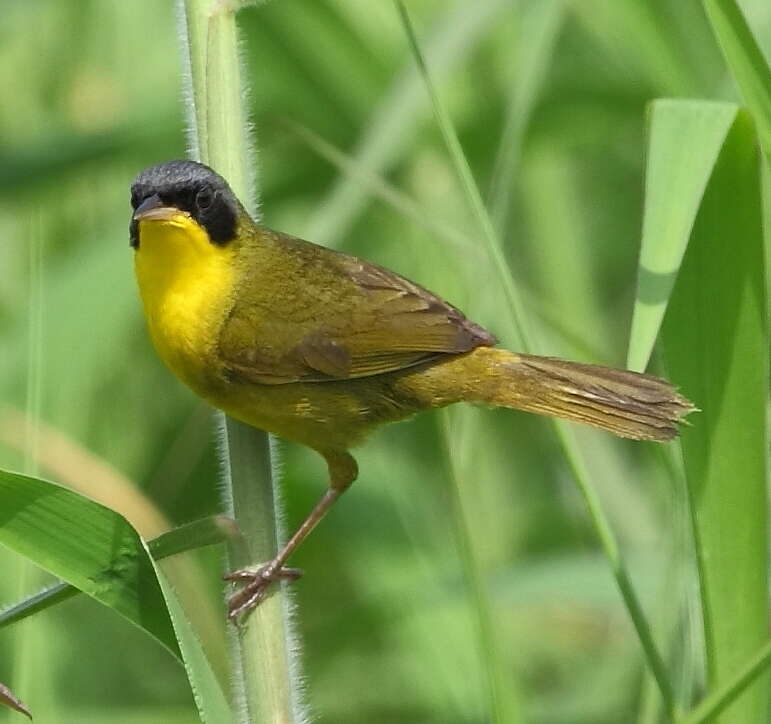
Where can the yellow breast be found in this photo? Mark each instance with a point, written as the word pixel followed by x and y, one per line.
pixel 186 285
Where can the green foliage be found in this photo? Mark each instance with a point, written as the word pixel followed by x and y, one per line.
pixel 718 352
pixel 198 533
pixel 87 545
pixel 96 551
pixel 685 139
pixel 746 61
pixel 703 259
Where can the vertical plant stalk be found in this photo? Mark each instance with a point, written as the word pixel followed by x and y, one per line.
pixel 522 334
pixel 503 706
pixel 263 653
pixel 27 640
pixel 540 24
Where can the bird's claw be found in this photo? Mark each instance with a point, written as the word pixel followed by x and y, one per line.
pixel 256 583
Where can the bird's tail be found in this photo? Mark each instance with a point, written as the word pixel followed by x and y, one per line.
pixel 628 404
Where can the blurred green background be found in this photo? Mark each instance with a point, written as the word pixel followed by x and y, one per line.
pixel 549 99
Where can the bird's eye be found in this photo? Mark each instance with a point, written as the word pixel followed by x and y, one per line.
pixel 204 198
pixel 135 199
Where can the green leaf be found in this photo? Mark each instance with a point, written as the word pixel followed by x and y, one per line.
pixel 715 343
pixel 197 534
pixel 746 61
pixel 96 550
pixel 685 138
pixel 87 545
pixel 209 698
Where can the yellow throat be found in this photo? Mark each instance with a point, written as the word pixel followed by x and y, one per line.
pixel 186 284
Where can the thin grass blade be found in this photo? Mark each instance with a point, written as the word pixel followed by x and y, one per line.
pixel 196 534
pixel 396 119
pixel 380 187
pixel 524 338
pixel 518 330
pixel 540 26
pixel 746 61
pixel 41 601
pixel 503 702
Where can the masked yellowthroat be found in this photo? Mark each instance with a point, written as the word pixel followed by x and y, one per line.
pixel 320 347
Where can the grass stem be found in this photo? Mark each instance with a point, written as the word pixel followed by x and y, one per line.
pixel 264 652
pixel 502 704
pixel 523 336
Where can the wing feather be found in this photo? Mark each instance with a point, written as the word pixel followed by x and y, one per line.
pixel 356 319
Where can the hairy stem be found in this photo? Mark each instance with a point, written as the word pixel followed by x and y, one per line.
pixel 264 652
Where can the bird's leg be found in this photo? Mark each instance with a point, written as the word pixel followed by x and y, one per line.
pixel 256 582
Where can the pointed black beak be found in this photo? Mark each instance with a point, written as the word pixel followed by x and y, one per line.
pixel 153 209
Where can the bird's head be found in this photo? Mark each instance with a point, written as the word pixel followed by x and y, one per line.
pixel 187 197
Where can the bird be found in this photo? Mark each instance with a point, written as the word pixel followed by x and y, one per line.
pixel 320 347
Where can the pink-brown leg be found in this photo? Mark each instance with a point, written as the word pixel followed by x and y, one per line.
pixel 256 583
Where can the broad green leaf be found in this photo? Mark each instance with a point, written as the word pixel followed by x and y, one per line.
pixel 746 61
pixel 87 545
pixel 198 533
pixel 715 343
pixel 685 138
pixel 96 550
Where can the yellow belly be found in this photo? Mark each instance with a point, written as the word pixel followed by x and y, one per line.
pixel 186 285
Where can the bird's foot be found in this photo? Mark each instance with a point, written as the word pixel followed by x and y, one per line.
pixel 256 583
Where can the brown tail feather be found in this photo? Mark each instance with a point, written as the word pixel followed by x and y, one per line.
pixel 625 403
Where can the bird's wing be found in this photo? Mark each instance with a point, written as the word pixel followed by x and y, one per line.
pixel 343 318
